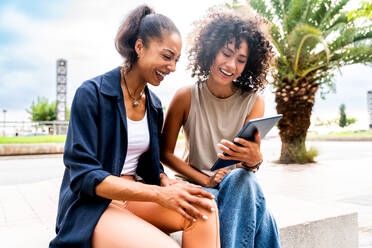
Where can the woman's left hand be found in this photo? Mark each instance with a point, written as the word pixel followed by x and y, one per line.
pixel 248 151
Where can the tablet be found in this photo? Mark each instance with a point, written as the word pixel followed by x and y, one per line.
pixel 263 125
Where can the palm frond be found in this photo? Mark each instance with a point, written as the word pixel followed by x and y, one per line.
pixel 350 36
pixel 279 43
pixel 353 55
pixel 312 69
pixel 261 7
pixel 306 12
pixel 301 41
pixel 309 10
pixel 335 10
pixel 337 24
pixel 286 4
pixel 295 12
pixel 279 9
pixel 319 12
pixel 299 50
pixel 313 37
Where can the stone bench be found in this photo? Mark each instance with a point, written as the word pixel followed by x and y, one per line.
pixel 31 149
pixel 309 225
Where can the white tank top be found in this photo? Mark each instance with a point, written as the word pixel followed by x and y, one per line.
pixel 138 143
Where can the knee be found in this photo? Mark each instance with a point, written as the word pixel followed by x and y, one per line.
pixel 210 220
pixel 240 176
pixel 211 215
pixel 241 185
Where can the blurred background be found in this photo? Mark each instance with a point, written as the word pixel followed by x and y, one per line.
pixel 34 34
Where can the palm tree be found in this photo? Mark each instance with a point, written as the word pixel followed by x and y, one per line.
pixel 312 38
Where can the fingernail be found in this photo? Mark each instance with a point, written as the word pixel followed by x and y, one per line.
pixel 194 220
pixel 205 217
pixel 212 209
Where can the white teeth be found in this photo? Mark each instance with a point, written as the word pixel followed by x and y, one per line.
pixel 161 74
pixel 226 73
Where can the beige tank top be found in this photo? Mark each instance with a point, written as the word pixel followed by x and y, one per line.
pixel 210 120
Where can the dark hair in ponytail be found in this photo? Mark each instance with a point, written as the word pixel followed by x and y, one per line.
pixel 142 23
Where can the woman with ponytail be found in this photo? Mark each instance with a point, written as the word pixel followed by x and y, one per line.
pixel 114 191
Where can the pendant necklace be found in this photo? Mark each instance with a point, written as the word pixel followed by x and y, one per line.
pixel 135 100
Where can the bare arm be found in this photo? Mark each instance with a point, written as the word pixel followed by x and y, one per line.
pixel 258 109
pixel 176 117
pixel 116 188
pixel 179 197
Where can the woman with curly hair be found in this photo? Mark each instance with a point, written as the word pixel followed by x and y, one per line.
pixel 230 60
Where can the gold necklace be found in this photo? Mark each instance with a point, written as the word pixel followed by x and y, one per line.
pixel 135 100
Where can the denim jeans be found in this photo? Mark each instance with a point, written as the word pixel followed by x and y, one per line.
pixel 245 222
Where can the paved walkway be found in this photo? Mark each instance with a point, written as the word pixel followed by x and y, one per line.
pixel 29 188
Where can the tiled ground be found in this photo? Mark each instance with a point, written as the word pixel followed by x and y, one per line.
pixel 29 188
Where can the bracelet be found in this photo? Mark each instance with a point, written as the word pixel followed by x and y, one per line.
pixel 252 168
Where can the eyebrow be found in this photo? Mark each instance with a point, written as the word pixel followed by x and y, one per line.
pixel 171 51
pixel 240 55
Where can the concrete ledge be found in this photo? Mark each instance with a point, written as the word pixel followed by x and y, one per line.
pixel 346 138
pixel 308 225
pixel 29 149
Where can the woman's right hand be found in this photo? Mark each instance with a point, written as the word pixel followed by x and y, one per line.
pixel 217 178
pixel 183 197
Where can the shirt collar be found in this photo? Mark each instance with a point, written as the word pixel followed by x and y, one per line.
pixel 110 86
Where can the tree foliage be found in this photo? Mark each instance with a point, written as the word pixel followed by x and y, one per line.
pixel 42 110
pixel 343 121
pixel 364 11
pixel 313 39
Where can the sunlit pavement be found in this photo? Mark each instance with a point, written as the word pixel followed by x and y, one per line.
pixel 29 188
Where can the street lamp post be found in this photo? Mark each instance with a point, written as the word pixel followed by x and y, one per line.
pixel 369 106
pixel 4 111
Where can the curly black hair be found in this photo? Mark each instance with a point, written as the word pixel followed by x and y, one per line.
pixel 220 28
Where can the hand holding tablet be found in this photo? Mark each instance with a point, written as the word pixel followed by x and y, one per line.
pixel 263 125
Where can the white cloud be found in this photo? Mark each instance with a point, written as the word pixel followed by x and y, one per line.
pixel 85 37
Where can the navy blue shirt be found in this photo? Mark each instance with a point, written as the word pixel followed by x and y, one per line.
pixel 95 148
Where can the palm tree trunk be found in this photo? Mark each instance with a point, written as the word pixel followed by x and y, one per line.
pixel 296 109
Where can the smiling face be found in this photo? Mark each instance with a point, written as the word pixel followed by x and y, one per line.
pixel 159 57
pixel 229 63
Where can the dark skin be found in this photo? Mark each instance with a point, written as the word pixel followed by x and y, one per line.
pixel 227 66
pixel 155 61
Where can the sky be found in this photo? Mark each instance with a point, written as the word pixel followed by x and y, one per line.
pixel 34 34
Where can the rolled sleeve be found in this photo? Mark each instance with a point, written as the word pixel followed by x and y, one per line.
pixel 81 148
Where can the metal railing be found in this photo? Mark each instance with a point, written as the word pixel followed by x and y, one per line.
pixel 33 128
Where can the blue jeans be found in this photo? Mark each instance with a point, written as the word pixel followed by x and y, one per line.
pixel 245 222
